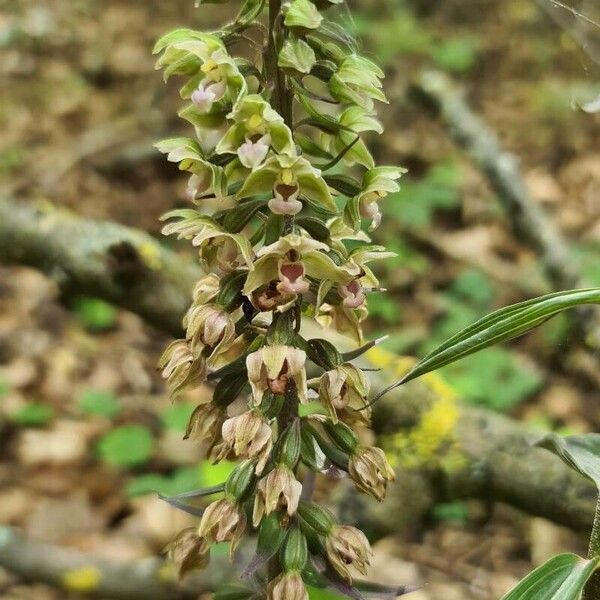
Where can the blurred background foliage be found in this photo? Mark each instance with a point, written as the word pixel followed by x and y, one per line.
pixel 81 407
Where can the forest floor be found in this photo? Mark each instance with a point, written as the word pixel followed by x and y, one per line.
pixel 86 430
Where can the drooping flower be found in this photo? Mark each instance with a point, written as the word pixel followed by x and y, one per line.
pixel 205 424
pixel 181 367
pixel 223 521
pixel 248 435
pixel 188 551
pixel 275 368
pixel 210 330
pixel 344 389
pixel 288 586
pixel 348 547
pixel 370 471
pixel 207 93
pixel 279 490
pixel 217 247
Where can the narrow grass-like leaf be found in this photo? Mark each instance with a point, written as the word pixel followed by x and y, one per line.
pixel 563 577
pixel 502 325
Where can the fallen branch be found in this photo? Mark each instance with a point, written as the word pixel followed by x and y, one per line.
pixel 529 222
pixel 77 571
pixel 126 267
pixel 87 257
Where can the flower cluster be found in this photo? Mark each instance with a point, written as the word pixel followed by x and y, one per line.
pixel 279 232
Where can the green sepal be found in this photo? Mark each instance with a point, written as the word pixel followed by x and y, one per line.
pixel 296 54
pixel 302 13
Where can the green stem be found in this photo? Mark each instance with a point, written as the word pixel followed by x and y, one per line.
pixel 592 588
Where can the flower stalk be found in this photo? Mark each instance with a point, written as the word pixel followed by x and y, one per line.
pixel 283 239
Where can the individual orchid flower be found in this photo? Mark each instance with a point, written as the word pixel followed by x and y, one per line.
pixel 291 260
pixel 249 435
pixel 377 183
pixel 353 121
pixel 223 521
pixel 204 59
pixel 210 330
pixel 206 177
pixel 344 390
pixel 278 490
pixel 181 367
pixel 275 368
pixel 256 126
pixel 357 81
pixel 287 178
pixel 217 247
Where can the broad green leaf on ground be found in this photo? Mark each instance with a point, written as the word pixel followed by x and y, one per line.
pixel 563 577
pixel 499 326
pixel 102 403
pixel 580 452
pixel 126 446
pixel 34 414
pixel 95 314
pixel 178 415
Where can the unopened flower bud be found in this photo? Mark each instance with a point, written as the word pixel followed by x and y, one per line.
pixel 369 469
pixel 348 547
pixel 289 446
pixel 188 551
pixel 205 423
pixel 241 480
pixel 249 436
pixel 316 517
pixel 342 436
pixel 271 535
pixel 223 521
pixel 295 551
pixel 278 490
pixel 288 586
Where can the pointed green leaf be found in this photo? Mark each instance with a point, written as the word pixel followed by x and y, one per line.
pixel 502 325
pixel 580 452
pixel 563 577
